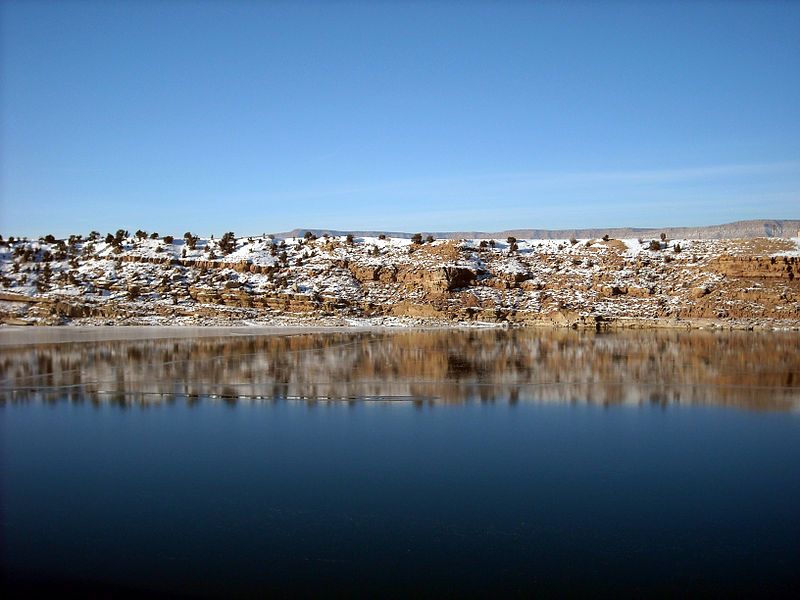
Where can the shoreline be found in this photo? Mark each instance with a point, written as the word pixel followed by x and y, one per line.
pixel 15 335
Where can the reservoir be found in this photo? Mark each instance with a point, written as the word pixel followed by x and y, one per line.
pixel 238 462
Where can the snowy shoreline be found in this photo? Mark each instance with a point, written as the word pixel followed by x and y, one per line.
pixel 12 335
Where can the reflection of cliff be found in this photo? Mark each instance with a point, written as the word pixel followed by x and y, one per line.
pixel 747 370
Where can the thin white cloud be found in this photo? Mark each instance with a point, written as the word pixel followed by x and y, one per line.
pixel 484 184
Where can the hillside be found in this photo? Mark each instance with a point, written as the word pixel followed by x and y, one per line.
pixel 368 280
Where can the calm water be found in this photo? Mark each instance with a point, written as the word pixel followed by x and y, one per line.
pixel 447 462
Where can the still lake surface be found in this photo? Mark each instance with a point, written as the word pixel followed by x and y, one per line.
pixel 230 463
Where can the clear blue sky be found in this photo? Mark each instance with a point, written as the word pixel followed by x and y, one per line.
pixel 257 116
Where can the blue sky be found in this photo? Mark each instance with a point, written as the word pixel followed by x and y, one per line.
pixel 257 116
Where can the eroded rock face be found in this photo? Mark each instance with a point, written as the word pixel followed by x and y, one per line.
pixel 757 267
pixel 590 284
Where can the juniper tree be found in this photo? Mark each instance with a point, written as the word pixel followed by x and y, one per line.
pixel 227 243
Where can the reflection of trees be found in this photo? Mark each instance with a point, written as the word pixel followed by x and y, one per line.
pixel 660 367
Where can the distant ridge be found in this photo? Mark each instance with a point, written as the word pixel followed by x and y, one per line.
pixel 735 230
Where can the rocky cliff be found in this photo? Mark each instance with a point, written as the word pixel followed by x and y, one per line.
pixel 592 283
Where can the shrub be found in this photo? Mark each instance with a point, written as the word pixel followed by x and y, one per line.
pixel 154 236
pixel 511 239
pixel 168 239
pixel 573 240
pixel 677 248
pixel 227 243
pixel 349 238
pixel 492 243
pixel 382 236
pixel 416 238
pixel 483 244
pixel 606 238
pixel 140 234
pixel 191 240
pixel 663 237
pixel 430 239
pixel 654 245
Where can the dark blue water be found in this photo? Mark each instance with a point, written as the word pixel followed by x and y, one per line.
pixel 288 496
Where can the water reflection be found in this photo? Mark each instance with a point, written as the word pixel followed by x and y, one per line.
pixel 744 369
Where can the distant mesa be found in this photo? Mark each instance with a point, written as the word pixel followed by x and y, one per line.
pixel 734 230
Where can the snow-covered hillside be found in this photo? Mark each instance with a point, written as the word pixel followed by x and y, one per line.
pixel 339 280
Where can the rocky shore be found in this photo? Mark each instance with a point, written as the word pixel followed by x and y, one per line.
pixel 340 281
